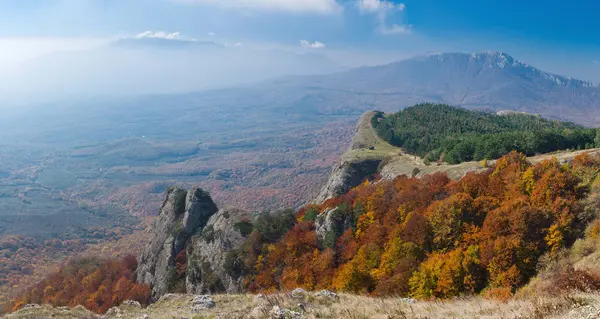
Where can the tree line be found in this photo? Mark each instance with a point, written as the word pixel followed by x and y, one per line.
pixel 454 135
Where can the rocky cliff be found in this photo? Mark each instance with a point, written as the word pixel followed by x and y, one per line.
pixel 346 176
pixel 361 160
pixel 190 227
pixel 211 254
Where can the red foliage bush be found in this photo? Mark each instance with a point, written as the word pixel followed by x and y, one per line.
pixel 96 284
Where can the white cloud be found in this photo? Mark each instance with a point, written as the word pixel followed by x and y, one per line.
pixel 395 29
pixel 383 9
pixel 163 35
pixel 379 6
pixel 211 34
pixel 160 35
pixel 301 6
pixel 312 44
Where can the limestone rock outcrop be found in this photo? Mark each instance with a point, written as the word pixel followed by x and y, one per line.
pixel 212 254
pixel 346 176
pixel 331 224
pixel 182 214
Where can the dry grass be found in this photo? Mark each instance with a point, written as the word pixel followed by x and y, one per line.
pixel 576 305
pixel 366 137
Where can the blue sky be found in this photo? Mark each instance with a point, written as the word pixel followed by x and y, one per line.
pixel 559 36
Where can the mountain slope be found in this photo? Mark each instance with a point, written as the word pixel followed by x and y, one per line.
pixel 493 81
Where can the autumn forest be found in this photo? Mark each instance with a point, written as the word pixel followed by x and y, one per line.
pixel 432 237
pixel 426 238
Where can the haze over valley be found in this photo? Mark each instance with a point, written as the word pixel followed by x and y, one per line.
pixel 104 145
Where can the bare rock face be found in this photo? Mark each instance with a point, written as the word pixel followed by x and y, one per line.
pixel 331 224
pixel 346 176
pixel 182 214
pixel 213 265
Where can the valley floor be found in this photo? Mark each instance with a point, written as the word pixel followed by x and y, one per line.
pixel 576 305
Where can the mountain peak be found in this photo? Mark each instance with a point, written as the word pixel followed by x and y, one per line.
pixel 501 60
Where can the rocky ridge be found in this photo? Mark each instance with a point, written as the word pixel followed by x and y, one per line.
pixel 361 160
pixel 368 155
pixel 190 225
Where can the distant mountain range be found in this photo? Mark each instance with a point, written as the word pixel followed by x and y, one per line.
pixel 493 81
pixel 239 78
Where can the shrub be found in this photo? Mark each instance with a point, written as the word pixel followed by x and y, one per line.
pixel 245 227
pixel 310 215
pixel 234 265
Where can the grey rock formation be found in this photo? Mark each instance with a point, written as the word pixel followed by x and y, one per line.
pixel 299 293
pixel 181 215
pixel 327 294
pixel 346 176
pixel 331 224
pixel 211 254
pixel 131 303
pixel 202 302
pixel 281 313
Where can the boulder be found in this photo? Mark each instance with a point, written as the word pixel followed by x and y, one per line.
pixel 132 303
pixel 202 302
pixel 299 293
pixel 327 294
pixel 281 313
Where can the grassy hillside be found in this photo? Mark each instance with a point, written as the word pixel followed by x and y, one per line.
pixel 455 135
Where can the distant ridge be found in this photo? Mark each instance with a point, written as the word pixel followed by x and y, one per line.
pixel 490 80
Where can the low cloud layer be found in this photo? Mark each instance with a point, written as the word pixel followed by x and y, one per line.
pixel 162 35
pixel 312 44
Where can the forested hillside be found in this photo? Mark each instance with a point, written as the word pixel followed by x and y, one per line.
pixel 455 135
pixel 428 237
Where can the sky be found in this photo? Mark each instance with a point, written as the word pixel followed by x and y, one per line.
pixel 557 36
